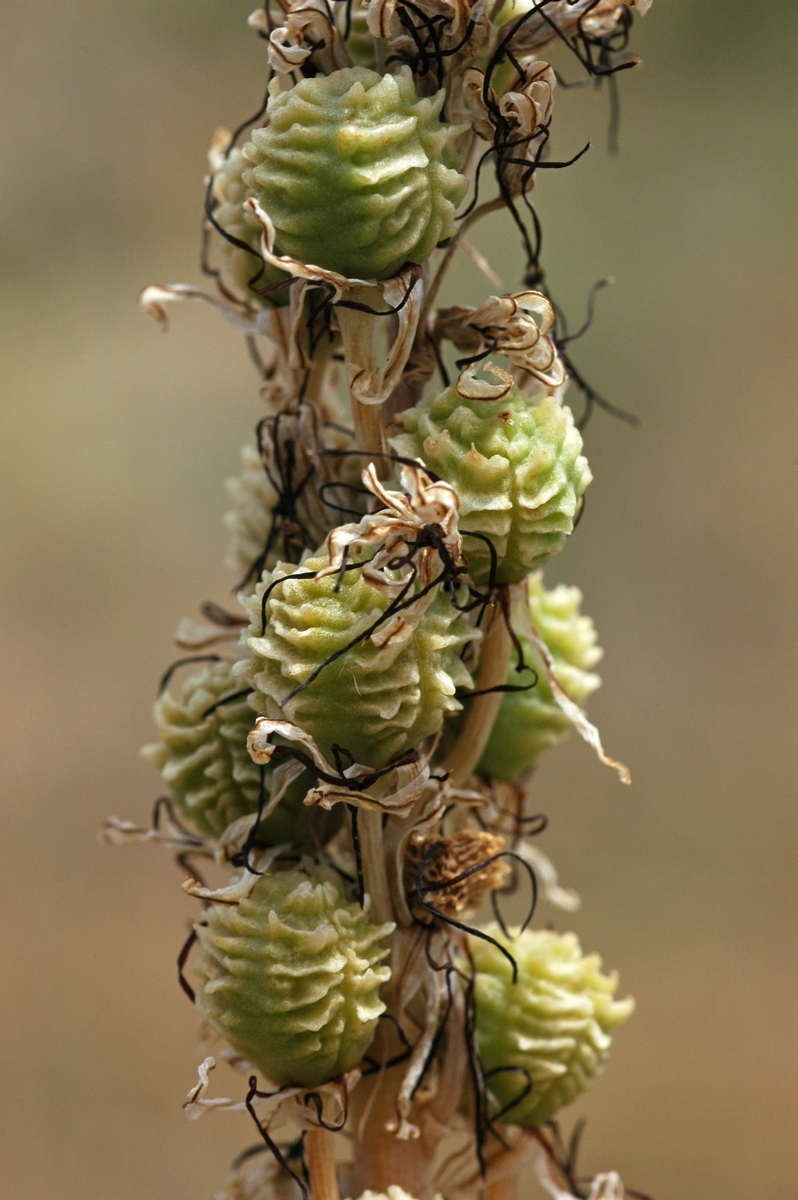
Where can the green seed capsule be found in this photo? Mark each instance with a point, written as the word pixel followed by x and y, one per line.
pixel 204 759
pixel 250 519
pixel 244 268
pixel 290 977
pixel 529 722
pixel 516 466
pixel 357 172
pixel 374 700
pixel 554 1024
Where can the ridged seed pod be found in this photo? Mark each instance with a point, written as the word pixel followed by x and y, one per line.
pixel 530 722
pixel 249 520
pixel 375 700
pixel 553 1025
pixel 517 468
pixel 291 976
pixel 203 758
pixel 357 172
pixel 245 269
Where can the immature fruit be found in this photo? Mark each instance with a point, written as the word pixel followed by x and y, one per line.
pixel 290 977
pixel 203 758
pixel 516 466
pixel 553 1025
pixel 250 519
pixel 374 701
pixel 530 722
pixel 244 268
pixel 357 172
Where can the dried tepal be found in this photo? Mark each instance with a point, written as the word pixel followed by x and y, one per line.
pixel 352 750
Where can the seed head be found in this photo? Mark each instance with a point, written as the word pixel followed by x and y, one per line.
pixel 291 976
pixel 553 1025
pixel 378 698
pixel 516 466
pixel 357 172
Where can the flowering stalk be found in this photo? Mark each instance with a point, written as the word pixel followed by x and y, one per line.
pixel 354 745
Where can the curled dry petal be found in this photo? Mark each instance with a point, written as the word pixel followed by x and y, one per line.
pixel 395 791
pixel 405 514
pixel 563 18
pixel 573 712
pixel 465 25
pixel 242 887
pixel 399 297
pixel 471 388
pixel 308 33
pixel 334 1097
pixel 116 832
pixel 517 326
pixel 517 123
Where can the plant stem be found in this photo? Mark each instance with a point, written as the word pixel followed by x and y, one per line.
pixel 372 849
pixel 320 1158
pixel 482 211
pixel 494 662
pixel 368 426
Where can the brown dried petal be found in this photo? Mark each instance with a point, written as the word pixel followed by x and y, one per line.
pixel 456 854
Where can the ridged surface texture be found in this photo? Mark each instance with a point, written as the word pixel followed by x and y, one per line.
pixel 517 467
pixel 249 521
pixel 204 758
pixel 357 172
pixel 554 1024
pixel 373 702
pixel 529 722
pixel 291 976
pixel 246 272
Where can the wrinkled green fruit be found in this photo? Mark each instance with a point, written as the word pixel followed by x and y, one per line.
pixel 530 722
pixel 374 701
pixel 517 467
pixel 553 1025
pixel 357 172
pixel 244 268
pixel 203 758
pixel 291 976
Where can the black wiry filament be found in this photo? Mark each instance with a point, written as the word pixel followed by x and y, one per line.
pixel 264 1133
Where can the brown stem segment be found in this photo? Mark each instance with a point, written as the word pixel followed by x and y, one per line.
pixel 368 426
pixel 320 1158
pixel 494 662
pixel 502 1189
pixel 375 874
pixel 380 1158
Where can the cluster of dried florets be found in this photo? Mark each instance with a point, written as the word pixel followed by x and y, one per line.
pixel 356 760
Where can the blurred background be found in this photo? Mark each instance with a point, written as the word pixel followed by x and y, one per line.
pixel 115 441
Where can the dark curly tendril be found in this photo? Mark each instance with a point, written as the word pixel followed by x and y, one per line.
pixel 271 1145
pixel 184 662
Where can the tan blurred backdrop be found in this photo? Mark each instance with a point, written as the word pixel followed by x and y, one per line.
pixel 115 443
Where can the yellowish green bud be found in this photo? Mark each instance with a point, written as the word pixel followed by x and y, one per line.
pixel 516 465
pixel 203 758
pixel 249 520
pixel 357 172
pixel 554 1024
pixel 378 698
pixel 529 722
pixel 291 976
